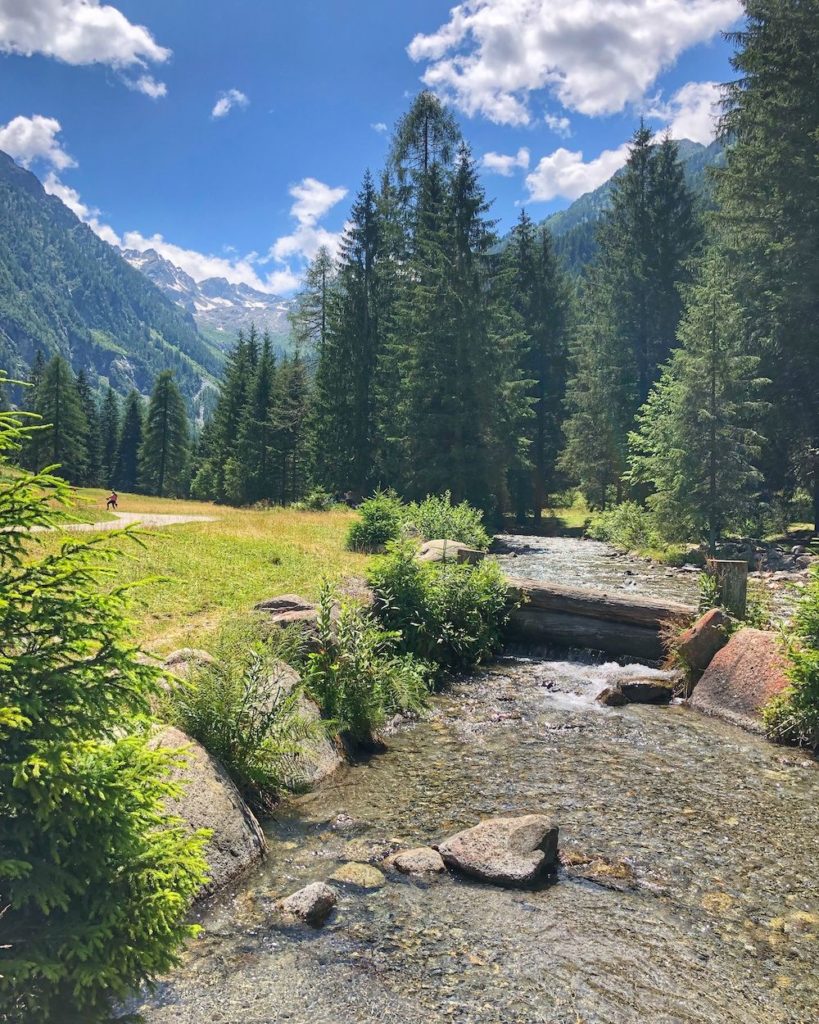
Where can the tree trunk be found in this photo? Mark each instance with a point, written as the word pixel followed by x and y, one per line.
pixel 732 585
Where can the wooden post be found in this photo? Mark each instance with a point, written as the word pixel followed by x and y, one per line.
pixel 732 584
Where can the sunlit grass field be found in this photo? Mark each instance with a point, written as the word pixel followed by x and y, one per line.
pixel 212 571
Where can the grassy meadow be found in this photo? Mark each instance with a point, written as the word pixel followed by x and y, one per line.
pixel 206 572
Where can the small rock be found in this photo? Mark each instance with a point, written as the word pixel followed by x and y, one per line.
pixel 449 551
pixel 612 697
pixel 313 904
pixel 514 852
pixel 647 690
pixel 181 662
pixel 421 861
pixel 360 876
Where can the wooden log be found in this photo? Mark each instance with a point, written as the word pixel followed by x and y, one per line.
pixel 648 612
pixel 537 626
pixel 732 584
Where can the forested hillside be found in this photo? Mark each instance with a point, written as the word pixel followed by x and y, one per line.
pixel 65 291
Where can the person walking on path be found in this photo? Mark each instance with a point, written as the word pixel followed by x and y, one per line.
pixel 111 502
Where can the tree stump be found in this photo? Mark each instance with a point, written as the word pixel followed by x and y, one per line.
pixel 732 584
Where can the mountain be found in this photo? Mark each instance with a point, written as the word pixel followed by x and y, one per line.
pixel 218 307
pixel 573 229
pixel 62 289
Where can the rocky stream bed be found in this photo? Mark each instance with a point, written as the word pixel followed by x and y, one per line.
pixel 688 890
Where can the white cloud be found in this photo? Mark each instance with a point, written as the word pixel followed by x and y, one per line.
pixel 595 56
pixel 498 163
pixel 79 32
pixel 561 126
pixel 380 127
pixel 227 101
pixel 88 214
pixel 692 111
pixel 28 139
pixel 565 173
pixel 314 199
pixel 147 84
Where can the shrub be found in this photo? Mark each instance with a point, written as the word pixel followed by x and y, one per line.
pixel 448 614
pixel 627 525
pixel 793 716
pixel 380 519
pixel 96 879
pixel 356 677
pixel 317 500
pixel 437 518
pixel 244 712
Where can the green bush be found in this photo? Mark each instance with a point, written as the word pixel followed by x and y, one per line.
pixel 793 716
pixel 355 677
pixel 96 879
pixel 380 520
pixel 243 711
pixel 437 518
pixel 317 500
pixel 627 525
pixel 448 614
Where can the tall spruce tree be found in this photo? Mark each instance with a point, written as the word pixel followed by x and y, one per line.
pixel 164 455
pixel 93 440
pixel 769 221
pixel 64 437
pixel 309 317
pixel 697 445
pixel 255 469
pixel 126 469
pixel 109 434
pixel 536 289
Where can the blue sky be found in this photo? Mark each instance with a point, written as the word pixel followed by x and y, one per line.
pixel 231 136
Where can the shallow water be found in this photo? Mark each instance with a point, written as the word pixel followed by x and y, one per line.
pixel 702 908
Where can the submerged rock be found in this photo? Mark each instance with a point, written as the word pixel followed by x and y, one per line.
pixel 313 904
pixel 449 551
pixel 612 697
pixel 647 690
pixel 747 673
pixel 698 644
pixel 209 799
pixel 513 852
pixel 421 861
pixel 360 876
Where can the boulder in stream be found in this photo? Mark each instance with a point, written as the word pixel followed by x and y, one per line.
pixel 313 904
pixel 698 644
pixel 209 799
pixel 518 853
pixel 359 876
pixel 647 690
pixel 741 679
pixel 423 860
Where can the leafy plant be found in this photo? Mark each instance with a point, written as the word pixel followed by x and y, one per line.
pixel 96 879
pixel 793 715
pixel 448 614
pixel 316 500
pixel 437 518
pixel 627 525
pixel 356 677
pixel 245 711
pixel 380 519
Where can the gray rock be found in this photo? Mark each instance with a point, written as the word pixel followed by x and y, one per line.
pixel 648 690
pixel 449 551
pixel 209 799
pixel 313 904
pixel 359 876
pixel 611 697
pixel 319 756
pixel 513 852
pixel 182 662
pixel 421 861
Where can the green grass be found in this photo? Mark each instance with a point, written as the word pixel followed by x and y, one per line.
pixel 213 571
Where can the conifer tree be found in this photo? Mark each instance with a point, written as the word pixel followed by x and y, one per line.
pixel 697 445
pixel 535 288
pixel 309 318
pixel 63 441
pixel 109 435
pixel 126 471
pixel 769 220
pixel 93 441
pixel 255 480
pixel 165 451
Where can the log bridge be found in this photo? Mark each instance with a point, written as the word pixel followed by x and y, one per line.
pixel 551 613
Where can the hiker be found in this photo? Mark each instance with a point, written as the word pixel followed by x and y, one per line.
pixel 111 502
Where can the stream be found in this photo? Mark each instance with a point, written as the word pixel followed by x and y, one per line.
pixel 690 891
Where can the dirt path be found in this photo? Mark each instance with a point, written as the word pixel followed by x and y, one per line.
pixel 150 519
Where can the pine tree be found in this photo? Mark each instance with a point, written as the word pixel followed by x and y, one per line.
pixel 535 288
pixel 126 471
pixel 165 451
pixel 109 435
pixel 697 445
pixel 63 439
pixel 288 419
pixel 255 482
pixel 93 441
pixel 769 220
pixel 425 137
pixel 309 318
